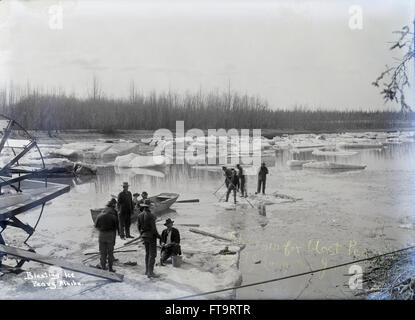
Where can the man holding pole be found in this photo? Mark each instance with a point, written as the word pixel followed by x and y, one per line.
pixel 232 185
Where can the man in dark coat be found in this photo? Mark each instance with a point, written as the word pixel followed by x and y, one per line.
pixel 149 234
pixel 241 177
pixel 228 175
pixel 169 242
pixel 232 185
pixel 262 178
pixel 125 210
pixel 107 224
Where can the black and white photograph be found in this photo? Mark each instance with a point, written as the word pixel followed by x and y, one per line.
pixel 226 150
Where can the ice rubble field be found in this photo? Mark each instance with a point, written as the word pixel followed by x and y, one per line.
pixel 202 270
pixel 199 272
pixel 126 153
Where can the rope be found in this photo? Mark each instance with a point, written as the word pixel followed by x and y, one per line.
pixel 293 276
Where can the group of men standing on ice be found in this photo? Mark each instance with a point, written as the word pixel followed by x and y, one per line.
pixel 109 222
pixel 235 180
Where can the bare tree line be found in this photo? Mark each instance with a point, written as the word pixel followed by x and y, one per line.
pixel 55 110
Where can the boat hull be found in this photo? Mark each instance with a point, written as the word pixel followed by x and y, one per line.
pixel 161 203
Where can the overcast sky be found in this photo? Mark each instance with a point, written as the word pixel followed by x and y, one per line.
pixel 288 52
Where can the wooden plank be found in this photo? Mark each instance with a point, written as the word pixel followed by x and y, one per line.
pixel 209 234
pixel 22 169
pixel 7 182
pixel 13 251
pixel 18 157
pixel 51 192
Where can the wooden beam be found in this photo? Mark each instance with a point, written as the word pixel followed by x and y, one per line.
pixel 51 192
pixel 209 234
pixel 16 179
pixel 18 157
pixel 13 251
pixel 18 224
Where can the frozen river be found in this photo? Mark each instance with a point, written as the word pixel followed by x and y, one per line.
pixel 341 216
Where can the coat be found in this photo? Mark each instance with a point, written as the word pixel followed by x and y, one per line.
pixel 262 174
pixel 107 224
pixel 175 236
pixel 125 203
pixel 147 225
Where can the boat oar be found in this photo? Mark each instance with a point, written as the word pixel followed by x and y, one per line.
pixel 188 201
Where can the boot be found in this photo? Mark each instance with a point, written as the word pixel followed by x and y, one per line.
pixel 99 266
pixel 153 275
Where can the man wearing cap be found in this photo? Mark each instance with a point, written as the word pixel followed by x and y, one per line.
pixel 125 210
pixel 241 176
pixel 170 242
pixel 228 175
pixel 144 198
pixel 135 200
pixel 107 224
pixel 149 234
pixel 232 185
pixel 262 178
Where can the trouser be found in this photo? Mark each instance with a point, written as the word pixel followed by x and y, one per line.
pixel 125 223
pixel 230 188
pixel 150 245
pixel 168 251
pixel 261 182
pixel 106 250
pixel 242 186
pixel 226 183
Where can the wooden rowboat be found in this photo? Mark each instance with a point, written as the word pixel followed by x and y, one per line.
pixel 160 203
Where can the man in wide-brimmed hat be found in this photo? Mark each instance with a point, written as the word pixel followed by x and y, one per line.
pixel 125 210
pixel 170 242
pixel 149 234
pixel 107 224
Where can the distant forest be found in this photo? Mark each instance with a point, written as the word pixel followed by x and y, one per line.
pixel 59 111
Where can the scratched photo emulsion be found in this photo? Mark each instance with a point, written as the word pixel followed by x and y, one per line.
pixel 207 150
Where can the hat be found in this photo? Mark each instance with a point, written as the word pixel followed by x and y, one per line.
pixel 111 203
pixel 136 194
pixel 125 184
pixel 146 203
pixel 168 221
pixel 144 192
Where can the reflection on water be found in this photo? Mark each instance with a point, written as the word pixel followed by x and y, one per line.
pixel 262 210
pixel 185 180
